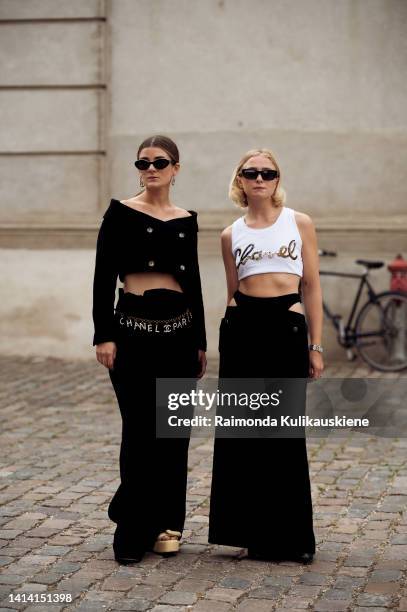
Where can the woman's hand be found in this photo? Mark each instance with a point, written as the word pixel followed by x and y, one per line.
pixel 106 353
pixel 202 363
pixel 316 365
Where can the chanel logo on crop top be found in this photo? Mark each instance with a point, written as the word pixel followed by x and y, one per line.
pixel 248 253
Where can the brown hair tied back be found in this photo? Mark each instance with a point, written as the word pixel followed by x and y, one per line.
pixel 164 143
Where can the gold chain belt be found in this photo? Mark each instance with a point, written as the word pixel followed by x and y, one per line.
pixel 164 326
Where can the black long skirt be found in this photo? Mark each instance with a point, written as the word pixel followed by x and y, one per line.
pixel 154 338
pixel 260 493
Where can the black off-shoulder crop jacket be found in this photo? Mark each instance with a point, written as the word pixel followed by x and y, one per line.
pixel 133 241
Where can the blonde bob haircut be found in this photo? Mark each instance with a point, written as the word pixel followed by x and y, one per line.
pixel 237 194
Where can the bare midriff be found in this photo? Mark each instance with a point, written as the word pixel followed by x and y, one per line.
pixel 270 284
pixel 138 282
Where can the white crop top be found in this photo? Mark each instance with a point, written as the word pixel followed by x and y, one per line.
pixel 276 248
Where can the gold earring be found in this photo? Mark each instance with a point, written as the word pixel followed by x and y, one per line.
pixel 173 180
pixel 141 182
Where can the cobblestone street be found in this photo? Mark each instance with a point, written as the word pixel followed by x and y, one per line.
pixel 60 444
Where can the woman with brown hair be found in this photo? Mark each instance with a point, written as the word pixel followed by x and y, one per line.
pixel 261 495
pixel 157 330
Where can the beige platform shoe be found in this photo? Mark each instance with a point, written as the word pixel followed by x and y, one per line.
pixel 167 542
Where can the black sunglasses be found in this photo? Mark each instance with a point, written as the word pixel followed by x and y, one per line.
pixel 159 164
pixel 252 173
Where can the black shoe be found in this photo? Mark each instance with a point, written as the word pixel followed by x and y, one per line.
pixel 126 550
pixel 126 560
pixel 304 557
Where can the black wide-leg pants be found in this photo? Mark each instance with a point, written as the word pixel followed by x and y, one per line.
pixel 260 493
pixel 154 338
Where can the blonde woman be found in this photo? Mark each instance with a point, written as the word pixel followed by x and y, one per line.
pixel 261 496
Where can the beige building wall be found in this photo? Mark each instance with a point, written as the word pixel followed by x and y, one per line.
pixel 320 82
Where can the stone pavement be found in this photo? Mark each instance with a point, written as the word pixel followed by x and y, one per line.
pixel 59 445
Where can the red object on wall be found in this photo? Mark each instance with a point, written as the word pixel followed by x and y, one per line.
pixel 398 269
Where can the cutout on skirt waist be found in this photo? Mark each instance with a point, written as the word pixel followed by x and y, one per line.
pixel 279 301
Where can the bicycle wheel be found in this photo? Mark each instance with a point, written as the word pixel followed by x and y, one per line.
pixel 381 332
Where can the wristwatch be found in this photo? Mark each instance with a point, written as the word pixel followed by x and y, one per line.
pixel 316 347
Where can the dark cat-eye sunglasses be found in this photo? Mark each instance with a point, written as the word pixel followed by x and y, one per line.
pixel 159 164
pixel 252 173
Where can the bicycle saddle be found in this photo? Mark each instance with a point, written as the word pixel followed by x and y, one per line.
pixel 370 264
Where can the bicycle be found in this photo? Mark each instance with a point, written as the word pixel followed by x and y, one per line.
pixel 380 330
